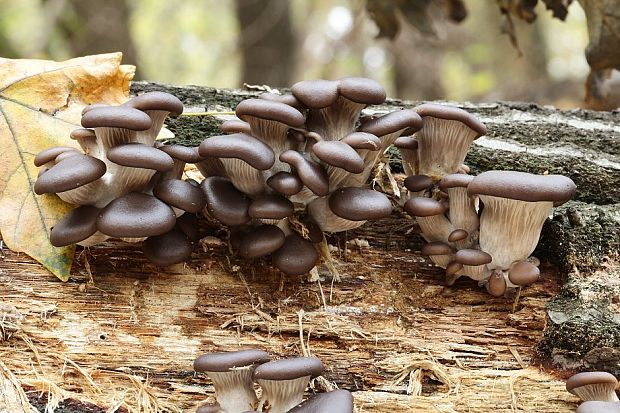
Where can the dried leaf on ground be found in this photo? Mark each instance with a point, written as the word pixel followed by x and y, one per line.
pixel 40 103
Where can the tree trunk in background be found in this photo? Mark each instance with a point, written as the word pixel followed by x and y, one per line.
pixel 266 41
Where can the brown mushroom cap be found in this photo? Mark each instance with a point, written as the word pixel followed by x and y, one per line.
pixel 180 194
pixel 451 113
pixel 170 248
pixel 453 267
pixel 240 146
pixel 362 140
pixel 523 273
pixel 470 256
pixel 225 202
pixel 359 204
pixel 393 122
pixel 50 154
pixel 261 241
pixel 455 181
pixel 311 173
pixel 590 378
pixel 287 99
pixel 336 401
pixel 82 133
pixel 424 207
pixel 223 362
pixel 289 369
pixel 136 215
pixel 340 155
pixel 69 174
pixel 523 186
pixel 285 183
pixel 271 207
pixel 157 101
pixel 496 284
pixel 436 248
pixel 362 90
pixel 116 117
pixel 182 153
pixel 596 406
pixel 77 225
pixel 269 110
pixel 139 155
pixel 416 183
pixel 67 154
pixel 316 94
pixel 297 256
pixel 457 235
pixel 406 142
pixel 236 126
pixel 188 224
pixel 209 408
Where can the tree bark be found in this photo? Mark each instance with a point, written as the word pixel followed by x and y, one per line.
pixel 390 332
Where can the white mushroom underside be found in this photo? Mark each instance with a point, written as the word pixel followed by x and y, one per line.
pixel 475 272
pixel 509 229
pixel 282 395
pixel 336 121
pixel 234 389
pixel 442 260
pixel 600 392
pixel 328 221
pixel 442 146
pixel 435 228
pixel 244 177
pixel 462 214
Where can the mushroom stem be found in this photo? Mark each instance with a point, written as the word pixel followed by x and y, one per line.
pixel 282 395
pixel 462 214
pixel 435 228
pixel 234 391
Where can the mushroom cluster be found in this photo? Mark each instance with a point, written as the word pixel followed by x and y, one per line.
pixel 293 166
pixel 126 184
pixel 597 389
pixel 484 227
pixel 283 383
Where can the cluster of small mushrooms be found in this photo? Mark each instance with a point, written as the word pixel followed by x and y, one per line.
pixel 292 167
pixel 597 389
pixel 282 382
pixel 127 184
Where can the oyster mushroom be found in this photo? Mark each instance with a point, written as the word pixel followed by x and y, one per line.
pixel 430 216
pixel 336 401
pixel 593 385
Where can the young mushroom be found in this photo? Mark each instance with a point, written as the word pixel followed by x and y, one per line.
pixel 336 401
pixel 594 385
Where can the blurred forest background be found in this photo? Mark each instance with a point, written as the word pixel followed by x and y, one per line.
pixel 225 43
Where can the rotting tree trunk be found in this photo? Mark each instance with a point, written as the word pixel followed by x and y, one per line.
pixel 389 332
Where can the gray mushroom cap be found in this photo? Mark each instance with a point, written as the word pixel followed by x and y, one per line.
pixel 393 122
pixel 336 401
pixel 316 94
pixel 271 207
pixel 406 142
pixel 77 225
pixel 69 174
pixel 236 126
pixel 470 256
pixel 67 154
pixel 289 369
pixel 311 173
pixel 182 153
pixel 455 181
pixel 451 113
pixel 180 194
pixel 287 99
pixel 362 90
pixel 136 215
pixel 50 154
pixel 261 241
pixel 416 183
pixel 359 204
pixel 225 202
pixel 297 256
pixel 82 133
pixel 116 117
pixel 240 146
pixel 523 273
pixel 457 235
pixel 362 140
pixel 170 248
pixel 496 284
pixel 424 207
pixel 139 155
pixel 285 183
pixel 157 101
pixel 340 155
pixel 269 110
pixel 188 224
pixel 226 361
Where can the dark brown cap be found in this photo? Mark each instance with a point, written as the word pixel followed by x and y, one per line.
pixel 173 247
pixel 236 126
pixel 406 142
pixel 316 94
pixel 116 117
pixel 474 257
pixel 362 140
pixel 359 204
pixel 269 110
pixel 437 248
pixel 523 273
pixel 188 224
pixel 82 133
pixel 416 183
pixel 336 401
pixel 451 113
pixel 69 174
pixel 591 378
pixel 340 155
pixel 67 154
pixel 182 153
pixel 496 284
pixel 289 369
pixel 312 174
pixel 223 362
pixel 424 207
pixel 261 241
pixel 457 235
pixel 453 267
pixel 455 181
pixel 271 206
pixel 393 122
pixel 239 146
pixel 157 101
pixel 297 256
pixel 180 194
pixel 523 186
pixel 135 215
pixel 362 90
pixel 50 154
pixel 77 225
pixel 139 155
pixel 287 99
pixel 225 202
pixel 285 183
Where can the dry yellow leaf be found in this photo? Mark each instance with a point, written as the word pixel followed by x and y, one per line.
pixel 40 104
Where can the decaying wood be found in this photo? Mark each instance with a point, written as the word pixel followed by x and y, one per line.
pixel 123 333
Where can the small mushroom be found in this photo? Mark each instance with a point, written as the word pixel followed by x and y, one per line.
pixel 231 374
pixel 418 183
pixel 474 263
pixel 76 226
pixel 239 146
pixel 285 183
pixel 440 253
pixel 336 401
pixel 430 217
pixel 180 194
pixel 284 381
pixel 271 207
pixel 496 284
pixel 173 247
pixel 523 273
pixel 593 385
pixel 236 126
pixel 311 173
pixel 69 174
pixel 49 155
pixel 115 125
pixel 224 202
pixel 462 209
pixel 260 241
pixel 157 105
pixel 296 257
